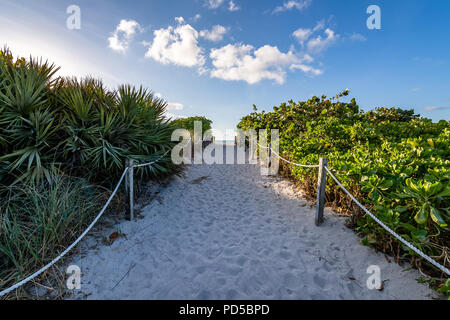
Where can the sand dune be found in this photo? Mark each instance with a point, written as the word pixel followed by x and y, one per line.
pixel 226 232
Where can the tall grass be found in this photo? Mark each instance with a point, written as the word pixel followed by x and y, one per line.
pixel 36 222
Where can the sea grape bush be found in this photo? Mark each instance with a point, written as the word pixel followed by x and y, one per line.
pixel 395 162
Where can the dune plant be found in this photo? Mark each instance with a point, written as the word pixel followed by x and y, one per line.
pixel 63 142
pixel 76 127
pixel 38 221
pixel 188 123
pixel 395 162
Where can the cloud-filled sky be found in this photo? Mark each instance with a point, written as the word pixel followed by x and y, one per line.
pixel 219 57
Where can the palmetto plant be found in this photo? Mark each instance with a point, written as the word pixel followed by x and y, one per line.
pixel 75 126
pixel 28 124
pixel 59 138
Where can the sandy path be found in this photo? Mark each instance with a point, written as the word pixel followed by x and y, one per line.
pixel 226 232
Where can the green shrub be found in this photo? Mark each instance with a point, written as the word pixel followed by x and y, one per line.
pixel 39 222
pixel 59 137
pixel 78 127
pixel 188 123
pixel 393 161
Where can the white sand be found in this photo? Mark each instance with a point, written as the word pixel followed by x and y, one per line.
pixel 237 235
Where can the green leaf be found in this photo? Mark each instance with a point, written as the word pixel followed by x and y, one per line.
pixel 422 216
pixel 437 218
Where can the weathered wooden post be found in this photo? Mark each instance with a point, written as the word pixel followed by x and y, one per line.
pixel 129 191
pixel 321 183
pixel 269 162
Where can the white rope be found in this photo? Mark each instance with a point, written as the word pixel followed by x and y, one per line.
pixel 409 245
pixel 262 146
pixel 295 164
pixel 150 163
pixel 34 275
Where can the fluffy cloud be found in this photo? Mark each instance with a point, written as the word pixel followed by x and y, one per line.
pixel 124 33
pixel 215 34
pixel 299 5
pixel 314 45
pixel 302 35
pixel 306 69
pixel 232 6
pixel 357 37
pixel 174 106
pixel 214 4
pixel 196 17
pixel 176 45
pixel 319 44
pixel 242 62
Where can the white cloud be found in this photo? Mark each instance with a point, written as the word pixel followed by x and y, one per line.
pixel 306 69
pixel 180 20
pixel 319 44
pixel 216 33
pixel 214 4
pixel 437 108
pixel 357 37
pixel 242 62
pixel 232 6
pixel 196 17
pixel 122 36
pixel 299 5
pixel 302 35
pixel 177 45
pixel 174 106
pixel 306 58
pixel 320 25
pixel 314 45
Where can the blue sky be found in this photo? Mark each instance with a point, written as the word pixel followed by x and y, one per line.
pixel 216 58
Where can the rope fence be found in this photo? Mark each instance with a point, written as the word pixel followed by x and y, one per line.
pixel 129 188
pixel 323 170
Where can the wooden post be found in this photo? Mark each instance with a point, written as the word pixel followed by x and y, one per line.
pixel 321 183
pixel 129 191
pixel 269 162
